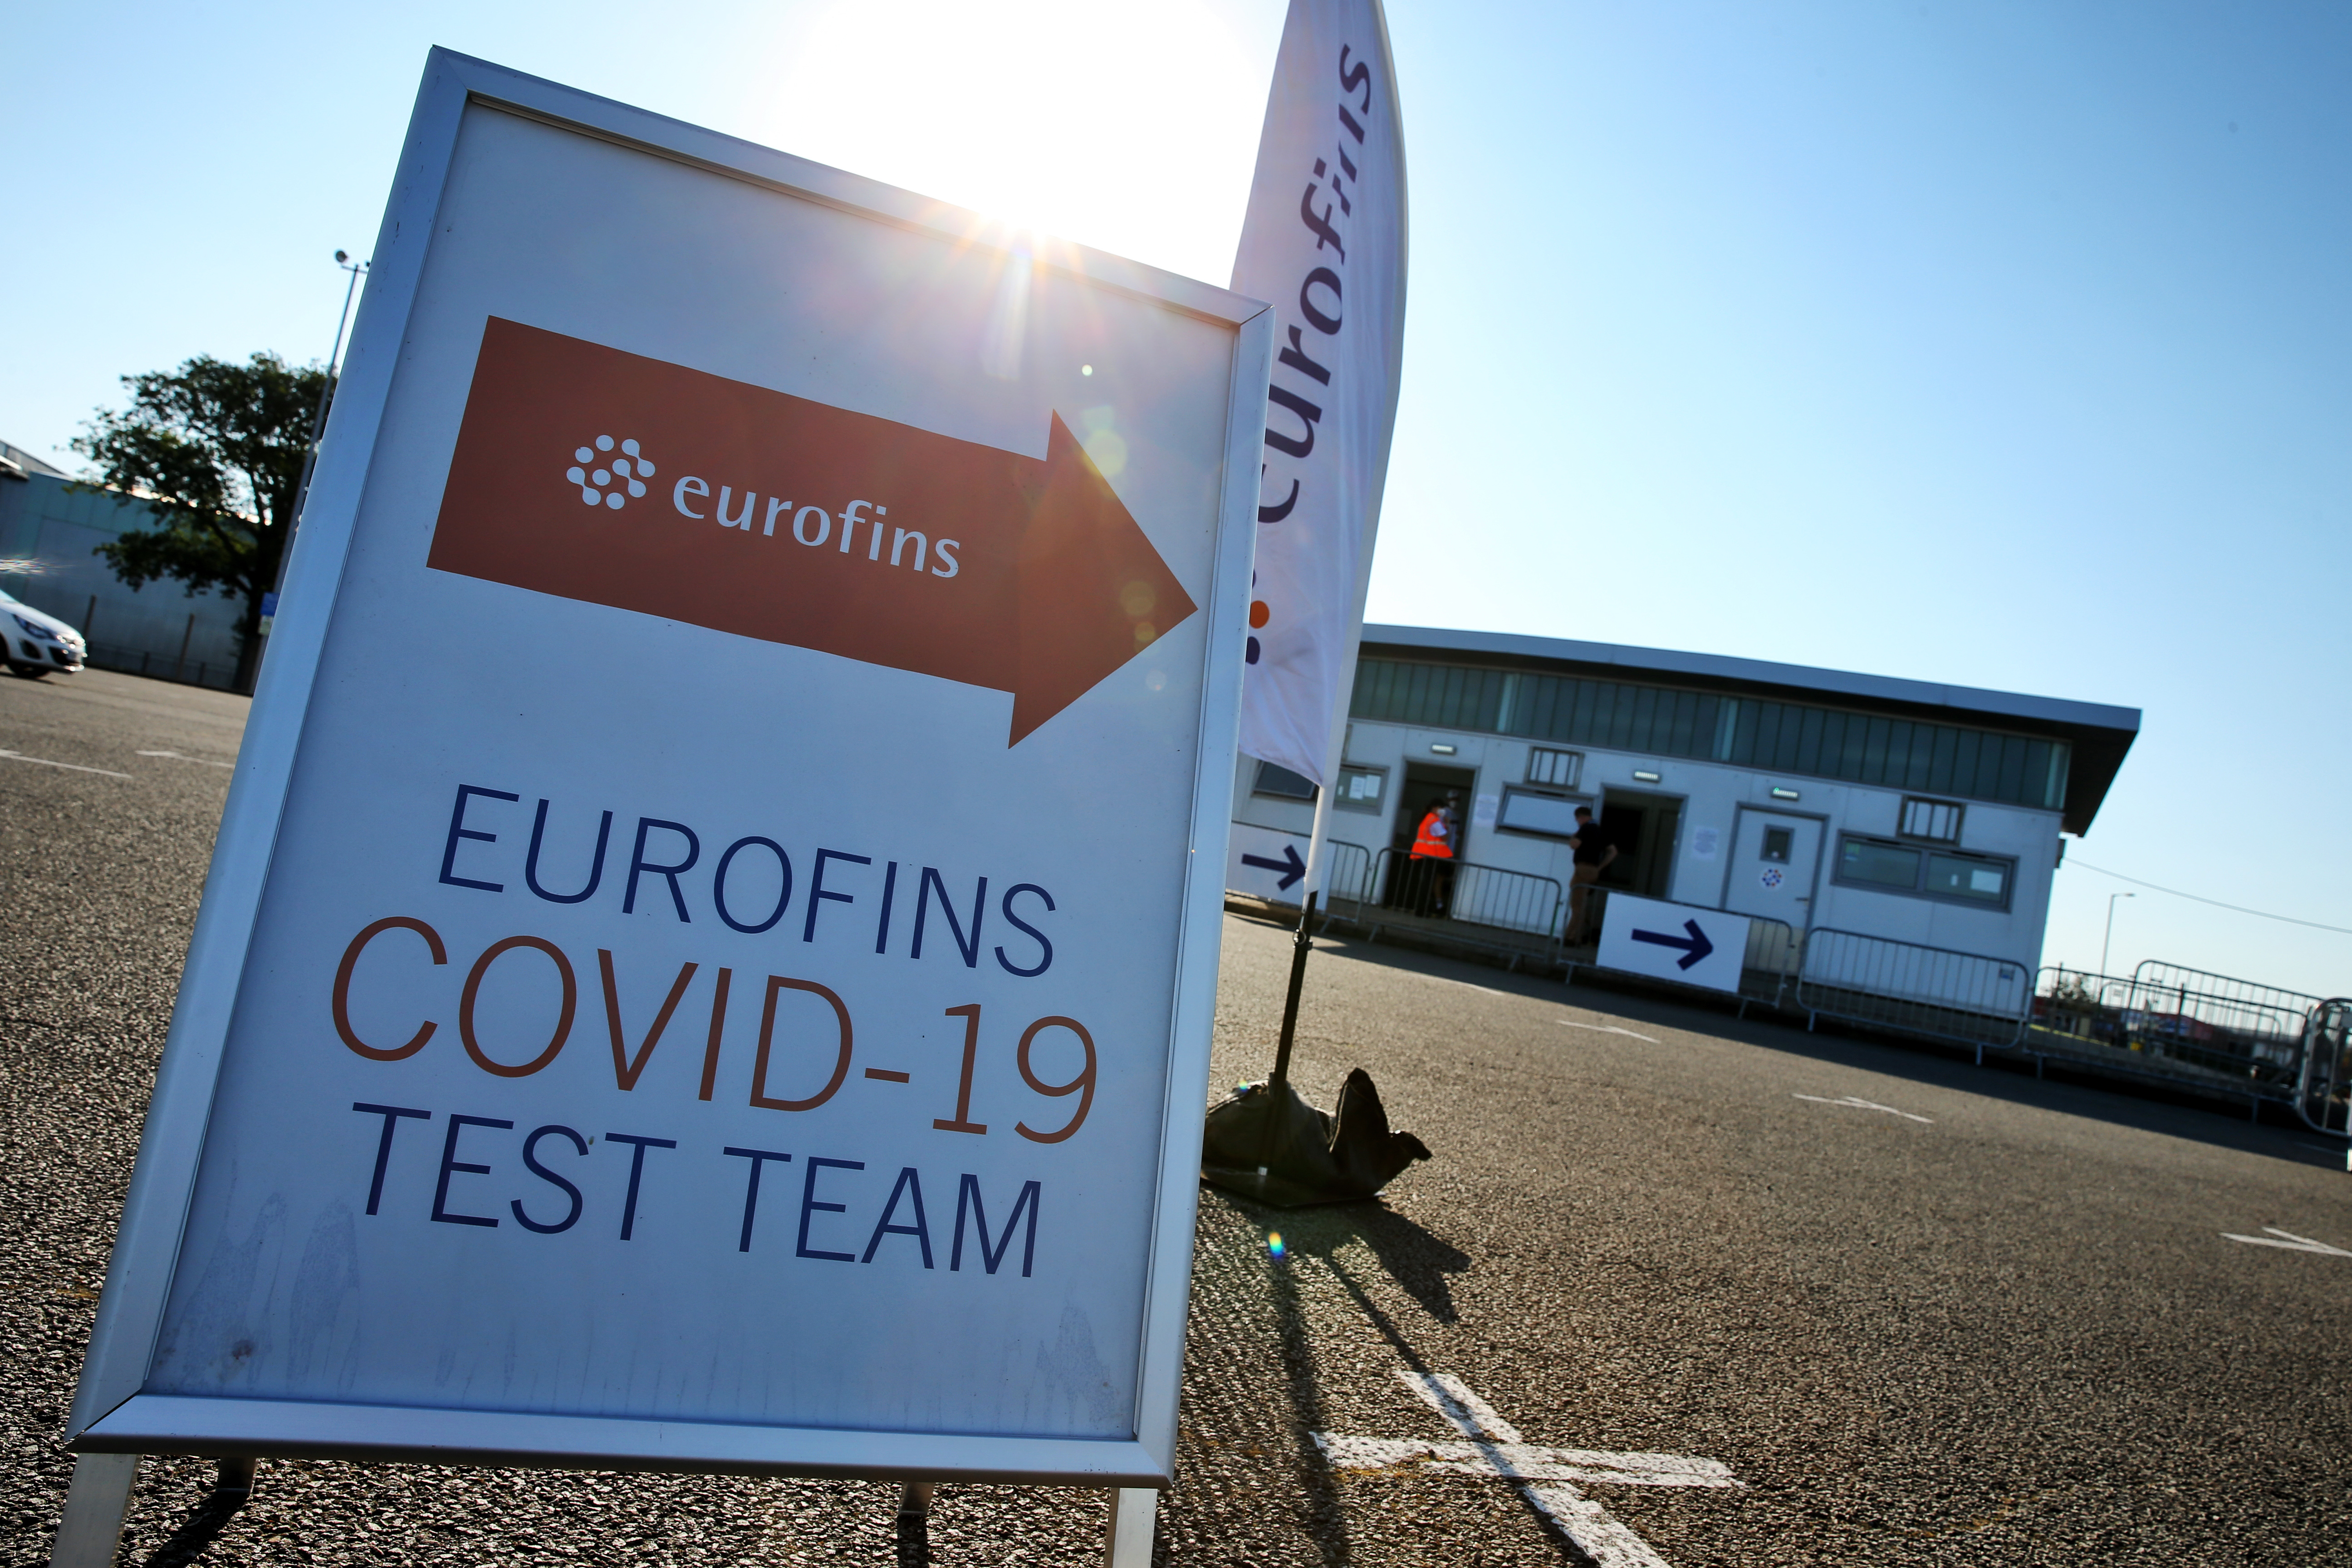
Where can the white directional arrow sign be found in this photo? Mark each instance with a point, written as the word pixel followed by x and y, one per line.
pixel 1679 942
pixel 1493 1448
pixel 1266 862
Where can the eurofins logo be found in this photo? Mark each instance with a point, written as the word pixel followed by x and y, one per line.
pixel 602 480
pixel 1044 586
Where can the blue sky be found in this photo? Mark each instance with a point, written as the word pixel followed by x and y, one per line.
pixel 2006 346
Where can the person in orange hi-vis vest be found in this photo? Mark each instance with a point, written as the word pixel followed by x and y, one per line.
pixel 1434 842
pixel 1436 839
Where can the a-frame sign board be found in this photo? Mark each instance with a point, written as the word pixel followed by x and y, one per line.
pixel 709 957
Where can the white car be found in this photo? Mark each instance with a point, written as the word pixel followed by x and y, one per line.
pixel 32 643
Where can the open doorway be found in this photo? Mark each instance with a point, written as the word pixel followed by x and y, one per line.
pixel 1644 827
pixel 1416 884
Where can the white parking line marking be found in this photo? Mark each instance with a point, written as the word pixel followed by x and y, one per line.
pixel 75 767
pixel 1496 1448
pixel 1467 986
pixel 1523 1461
pixel 1519 997
pixel 1522 996
pixel 1606 1030
pixel 178 756
pixel 2292 1243
pixel 1852 1102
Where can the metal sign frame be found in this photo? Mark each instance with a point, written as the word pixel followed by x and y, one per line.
pixel 109 1414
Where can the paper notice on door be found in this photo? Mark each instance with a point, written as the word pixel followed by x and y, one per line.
pixel 1703 842
pixel 1484 813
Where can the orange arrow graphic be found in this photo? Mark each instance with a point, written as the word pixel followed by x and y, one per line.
pixel 607 476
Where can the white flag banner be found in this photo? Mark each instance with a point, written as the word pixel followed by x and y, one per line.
pixel 1325 244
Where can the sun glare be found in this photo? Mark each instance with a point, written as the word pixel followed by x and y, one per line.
pixel 1129 128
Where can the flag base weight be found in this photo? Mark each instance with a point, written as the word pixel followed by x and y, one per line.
pixel 1267 1144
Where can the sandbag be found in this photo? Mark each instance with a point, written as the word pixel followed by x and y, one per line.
pixel 1316 1158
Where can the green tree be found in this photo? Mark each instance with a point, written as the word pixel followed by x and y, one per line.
pixel 215 449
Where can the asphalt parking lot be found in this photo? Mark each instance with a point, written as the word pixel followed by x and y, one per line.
pixel 1728 1292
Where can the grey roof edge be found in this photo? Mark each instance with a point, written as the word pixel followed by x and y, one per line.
pixel 31 464
pixel 1720 667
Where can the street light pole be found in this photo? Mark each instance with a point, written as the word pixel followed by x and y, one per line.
pixel 358 269
pixel 2111 928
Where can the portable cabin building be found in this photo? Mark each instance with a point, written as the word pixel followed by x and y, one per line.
pixel 1898 809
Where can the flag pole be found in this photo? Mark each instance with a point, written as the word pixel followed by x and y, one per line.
pixel 1290 1006
pixel 1335 744
pixel 1319 843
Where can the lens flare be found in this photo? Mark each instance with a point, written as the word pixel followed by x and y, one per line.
pixel 1274 1244
pixel 987 113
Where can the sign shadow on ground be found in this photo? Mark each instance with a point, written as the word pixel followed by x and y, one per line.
pixel 1419 1261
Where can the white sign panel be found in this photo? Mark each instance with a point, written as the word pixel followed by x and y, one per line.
pixel 1525 811
pixel 707 962
pixel 1267 863
pixel 1672 942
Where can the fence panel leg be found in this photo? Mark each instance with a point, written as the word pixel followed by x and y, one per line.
pixel 1133 1511
pixel 95 1505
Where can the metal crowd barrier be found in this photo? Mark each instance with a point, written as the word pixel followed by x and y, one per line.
pixel 2183 1024
pixel 2323 1086
pixel 1467 891
pixel 2224 1024
pixel 1774 947
pixel 1964 997
pixel 2076 1006
pixel 2165 1022
pixel 1436 898
pixel 1349 877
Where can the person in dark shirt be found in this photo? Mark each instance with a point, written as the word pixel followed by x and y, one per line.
pixel 1593 854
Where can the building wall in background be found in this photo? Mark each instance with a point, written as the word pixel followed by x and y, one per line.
pixel 1708 853
pixel 47 531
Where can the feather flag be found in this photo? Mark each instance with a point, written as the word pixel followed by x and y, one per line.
pixel 1323 243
